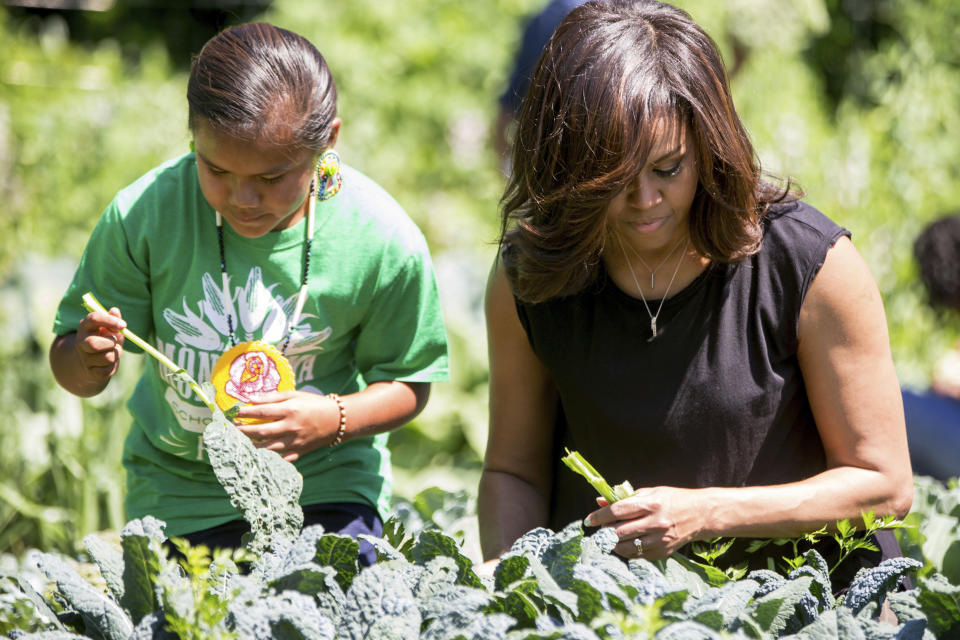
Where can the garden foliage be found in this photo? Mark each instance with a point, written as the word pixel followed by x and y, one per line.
pixel 308 584
pixel 933 531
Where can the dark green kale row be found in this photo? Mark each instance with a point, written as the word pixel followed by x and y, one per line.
pixel 308 584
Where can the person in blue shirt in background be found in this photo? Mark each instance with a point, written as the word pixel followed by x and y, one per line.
pixel 933 416
pixel 535 36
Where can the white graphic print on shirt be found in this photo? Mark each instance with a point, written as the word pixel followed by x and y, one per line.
pixel 203 335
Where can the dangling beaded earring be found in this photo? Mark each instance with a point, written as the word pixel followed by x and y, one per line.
pixel 329 179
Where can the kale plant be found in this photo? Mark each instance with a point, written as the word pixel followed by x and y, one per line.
pixel 551 584
pixel 308 583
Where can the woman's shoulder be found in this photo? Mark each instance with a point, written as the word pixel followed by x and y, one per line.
pixel 798 216
pixel 509 258
pixel 796 240
pixel 797 225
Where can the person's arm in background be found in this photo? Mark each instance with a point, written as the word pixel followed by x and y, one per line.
pixel 502 133
pixel 515 483
pixel 946 374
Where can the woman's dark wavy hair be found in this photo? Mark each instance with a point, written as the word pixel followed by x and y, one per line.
pixel 243 74
pixel 937 252
pixel 611 71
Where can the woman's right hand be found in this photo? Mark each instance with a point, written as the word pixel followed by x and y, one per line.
pixel 662 519
pixel 99 343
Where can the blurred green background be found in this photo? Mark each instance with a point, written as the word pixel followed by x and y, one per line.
pixel 858 100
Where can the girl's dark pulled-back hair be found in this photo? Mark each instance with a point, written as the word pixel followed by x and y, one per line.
pixel 613 72
pixel 937 252
pixel 249 76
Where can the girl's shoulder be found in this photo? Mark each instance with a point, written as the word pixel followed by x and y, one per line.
pixel 372 211
pixel 172 178
pixel 159 202
pixel 367 199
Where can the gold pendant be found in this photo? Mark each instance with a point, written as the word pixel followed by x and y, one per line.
pixel 247 371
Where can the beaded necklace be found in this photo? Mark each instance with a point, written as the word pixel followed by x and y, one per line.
pixel 301 296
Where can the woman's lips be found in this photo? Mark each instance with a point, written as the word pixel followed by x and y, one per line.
pixel 647 226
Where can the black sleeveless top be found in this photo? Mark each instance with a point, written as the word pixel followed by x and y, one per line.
pixel 717 399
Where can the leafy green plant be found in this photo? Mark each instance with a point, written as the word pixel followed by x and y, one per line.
pixel 208 575
pixel 549 585
pixel 933 536
pixel 709 551
pixel 308 584
pixel 17 611
pixel 846 535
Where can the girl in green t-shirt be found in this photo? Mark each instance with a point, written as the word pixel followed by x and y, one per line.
pixel 259 262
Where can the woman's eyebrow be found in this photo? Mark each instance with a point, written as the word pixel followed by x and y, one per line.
pixel 669 154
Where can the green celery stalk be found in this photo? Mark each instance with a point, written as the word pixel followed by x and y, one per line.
pixel 577 463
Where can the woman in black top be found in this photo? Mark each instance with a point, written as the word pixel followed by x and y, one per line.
pixel 682 322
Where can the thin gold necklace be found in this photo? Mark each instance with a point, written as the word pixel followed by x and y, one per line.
pixel 653 272
pixel 653 317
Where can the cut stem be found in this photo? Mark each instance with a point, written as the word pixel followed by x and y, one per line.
pixel 575 461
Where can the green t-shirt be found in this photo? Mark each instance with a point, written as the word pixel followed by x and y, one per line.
pixel 372 314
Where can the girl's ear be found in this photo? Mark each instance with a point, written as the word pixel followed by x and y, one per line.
pixel 334 132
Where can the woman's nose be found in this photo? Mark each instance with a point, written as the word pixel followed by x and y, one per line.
pixel 646 192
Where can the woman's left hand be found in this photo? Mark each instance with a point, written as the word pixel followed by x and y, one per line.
pixel 298 422
pixel 662 519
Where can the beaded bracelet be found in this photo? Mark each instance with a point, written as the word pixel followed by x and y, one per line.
pixel 343 419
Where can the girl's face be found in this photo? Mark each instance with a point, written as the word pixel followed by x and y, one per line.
pixel 651 213
pixel 256 185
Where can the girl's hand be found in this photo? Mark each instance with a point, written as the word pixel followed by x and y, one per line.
pixel 299 422
pixel 99 343
pixel 663 519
